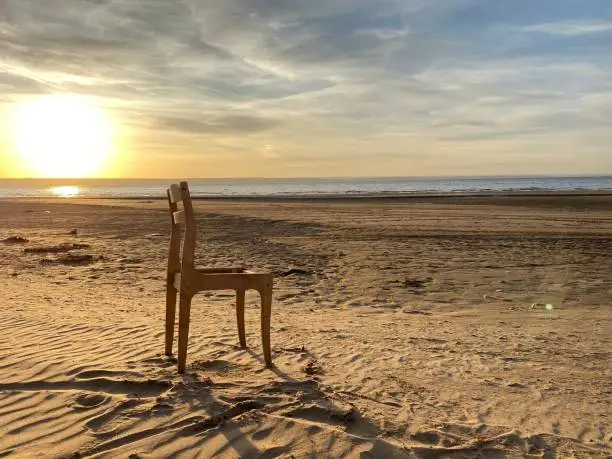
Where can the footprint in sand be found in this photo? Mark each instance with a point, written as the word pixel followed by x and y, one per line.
pixel 89 400
pixel 106 422
pixel 163 362
pixel 219 366
pixel 428 437
pixel 263 433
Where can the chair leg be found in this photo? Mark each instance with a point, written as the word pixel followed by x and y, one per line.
pixel 266 313
pixel 170 316
pixel 240 317
pixel 184 311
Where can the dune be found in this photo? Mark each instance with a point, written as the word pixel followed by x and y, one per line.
pixel 401 329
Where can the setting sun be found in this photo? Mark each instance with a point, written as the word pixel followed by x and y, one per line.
pixel 62 136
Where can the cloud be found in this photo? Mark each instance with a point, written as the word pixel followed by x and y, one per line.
pixel 385 86
pixel 572 28
pixel 234 124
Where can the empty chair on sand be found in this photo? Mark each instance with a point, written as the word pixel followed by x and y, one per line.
pixel 187 279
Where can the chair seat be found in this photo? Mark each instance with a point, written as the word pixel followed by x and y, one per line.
pixel 224 279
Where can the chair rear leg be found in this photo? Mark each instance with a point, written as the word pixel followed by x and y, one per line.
pixel 240 317
pixel 170 315
pixel 266 314
pixel 184 312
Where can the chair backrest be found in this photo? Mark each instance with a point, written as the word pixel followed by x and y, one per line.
pixel 183 228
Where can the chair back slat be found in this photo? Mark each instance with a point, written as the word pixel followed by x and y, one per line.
pixel 178 217
pixel 174 252
pixel 174 193
pixel 183 236
pixel 189 240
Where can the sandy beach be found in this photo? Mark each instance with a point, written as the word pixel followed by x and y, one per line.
pixel 414 328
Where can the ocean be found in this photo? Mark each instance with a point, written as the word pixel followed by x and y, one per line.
pixel 150 188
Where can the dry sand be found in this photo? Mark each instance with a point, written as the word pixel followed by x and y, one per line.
pixel 419 330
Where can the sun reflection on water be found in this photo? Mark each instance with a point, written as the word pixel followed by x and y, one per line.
pixel 65 191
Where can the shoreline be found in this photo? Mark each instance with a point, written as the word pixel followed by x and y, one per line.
pixel 583 201
pixel 345 196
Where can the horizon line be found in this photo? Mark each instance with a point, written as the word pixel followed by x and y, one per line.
pixel 429 177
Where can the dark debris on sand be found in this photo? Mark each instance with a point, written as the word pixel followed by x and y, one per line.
pixel 416 283
pixel 70 259
pixel 313 367
pixel 15 240
pixel 232 412
pixel 295 271
pixel 56 248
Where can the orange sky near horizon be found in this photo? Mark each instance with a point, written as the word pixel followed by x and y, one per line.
pixel 78 138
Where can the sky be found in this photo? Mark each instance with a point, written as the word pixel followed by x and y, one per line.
pixel 271 88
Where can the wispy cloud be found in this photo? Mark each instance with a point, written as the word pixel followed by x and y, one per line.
pixel 323 87
pixel 572 28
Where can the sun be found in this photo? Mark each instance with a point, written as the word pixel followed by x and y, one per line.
pixel 62 136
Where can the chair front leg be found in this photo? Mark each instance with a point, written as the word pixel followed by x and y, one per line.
pixel 170 313
pixel 240 317
pixel 266 314
pixel 183 338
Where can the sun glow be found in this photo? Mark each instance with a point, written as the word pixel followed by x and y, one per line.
pixel 65 191
pixel 62 136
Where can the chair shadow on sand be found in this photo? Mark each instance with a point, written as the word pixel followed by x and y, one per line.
pixel 285 399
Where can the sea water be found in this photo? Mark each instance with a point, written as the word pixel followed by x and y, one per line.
pixel 149 188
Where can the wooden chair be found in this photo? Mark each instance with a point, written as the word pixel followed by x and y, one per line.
pixel 186 279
